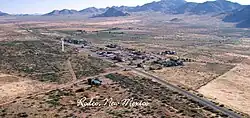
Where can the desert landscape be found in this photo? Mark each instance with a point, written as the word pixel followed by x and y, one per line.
pixel 180 65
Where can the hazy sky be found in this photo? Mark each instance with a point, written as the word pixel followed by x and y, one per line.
pixel 44 6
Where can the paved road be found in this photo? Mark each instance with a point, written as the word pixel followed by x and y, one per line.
pixel 203 101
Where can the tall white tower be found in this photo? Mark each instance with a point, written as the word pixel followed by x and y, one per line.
pixel 62 44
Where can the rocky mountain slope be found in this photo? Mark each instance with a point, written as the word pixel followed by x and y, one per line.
pixel 112 12
pixel 241 16
pixel 62 12
pixel 218 6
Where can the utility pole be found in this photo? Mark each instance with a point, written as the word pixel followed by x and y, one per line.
pixel 62 39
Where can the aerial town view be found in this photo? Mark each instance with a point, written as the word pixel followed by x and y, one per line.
pixel 125 59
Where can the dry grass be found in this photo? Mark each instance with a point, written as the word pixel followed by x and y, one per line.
pixel 232 88
pixel 192 75
pixel 12 87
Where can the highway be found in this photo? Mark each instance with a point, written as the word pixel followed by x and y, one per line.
pixel 200 100
pixel 203 101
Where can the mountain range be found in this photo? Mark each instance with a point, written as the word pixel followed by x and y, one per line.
pixel 237 12
pixel 164 6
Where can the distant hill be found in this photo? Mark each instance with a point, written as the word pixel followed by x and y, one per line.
pixel 92 10
pixel 218 6
pixel 3 14
pixel 87 11
pixel 166 6
pixel 62 12
pixel 241 16
pixel 112 12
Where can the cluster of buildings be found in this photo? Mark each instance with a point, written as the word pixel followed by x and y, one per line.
pixel 75 41
pixel 168 52
pixel 137 58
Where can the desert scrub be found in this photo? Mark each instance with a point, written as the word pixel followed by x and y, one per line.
pixel 40 60
pixel 49 77
pixel 88 66
pixel 55 96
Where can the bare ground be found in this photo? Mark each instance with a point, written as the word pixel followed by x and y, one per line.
pixel 192 75
pixel 232 88
pixel 12 87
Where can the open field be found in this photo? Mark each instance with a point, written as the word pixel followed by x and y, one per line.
pixel 193 75
pixel 232 88
pixel 12 87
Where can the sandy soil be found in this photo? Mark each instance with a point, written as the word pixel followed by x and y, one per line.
pixel 192 75
pixel 5 79
pixel 12 87
pixel 232 88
